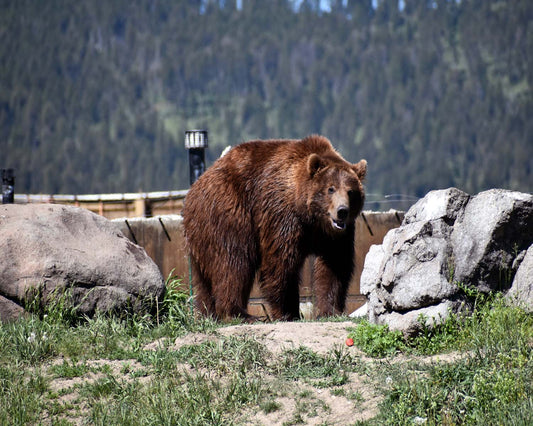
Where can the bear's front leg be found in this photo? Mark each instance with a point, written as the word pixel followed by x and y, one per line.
pixel 331 281
pixel 279 286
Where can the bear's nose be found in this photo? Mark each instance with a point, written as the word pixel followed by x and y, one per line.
pixel 342 212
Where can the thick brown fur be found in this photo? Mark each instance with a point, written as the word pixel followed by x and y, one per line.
pixel 260 210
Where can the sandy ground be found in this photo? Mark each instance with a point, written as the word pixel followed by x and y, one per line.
pixel 298 401
pixel 302 403
pixel 320 337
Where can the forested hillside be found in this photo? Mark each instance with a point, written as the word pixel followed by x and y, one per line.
pixel 95 96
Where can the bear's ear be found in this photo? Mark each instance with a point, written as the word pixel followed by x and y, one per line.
pixel 314 164
pixel 360 169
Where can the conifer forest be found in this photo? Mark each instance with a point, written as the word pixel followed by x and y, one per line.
pixel 95 96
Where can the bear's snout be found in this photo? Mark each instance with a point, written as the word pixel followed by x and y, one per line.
pixel 338 219
pixel 342 213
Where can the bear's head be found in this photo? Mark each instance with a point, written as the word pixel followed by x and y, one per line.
pixel 337 194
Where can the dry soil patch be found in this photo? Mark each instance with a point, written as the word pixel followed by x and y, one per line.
pixel 320 337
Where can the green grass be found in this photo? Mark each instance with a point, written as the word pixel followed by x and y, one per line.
pixel 492 383
pixel 322 371
pixel 377 340
pixel 56 368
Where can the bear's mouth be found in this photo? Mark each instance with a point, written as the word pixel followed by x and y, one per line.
pixel 338 224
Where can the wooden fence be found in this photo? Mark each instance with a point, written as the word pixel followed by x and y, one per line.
pixel 152 220
pixel 112 206
pixel 162 238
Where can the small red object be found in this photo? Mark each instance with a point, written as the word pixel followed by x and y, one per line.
pixel 349 341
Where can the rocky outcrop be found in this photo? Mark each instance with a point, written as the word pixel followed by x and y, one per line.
pixel 46 249
pixel 521 291
pixel 448 241
pixel 495 227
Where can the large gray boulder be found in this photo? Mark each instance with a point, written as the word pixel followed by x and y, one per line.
pixel 521 291
pixel 46 249
pixel 448 241
pixel 494 228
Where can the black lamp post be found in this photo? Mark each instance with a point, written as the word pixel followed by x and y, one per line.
pixel 8 186
pixel 196 142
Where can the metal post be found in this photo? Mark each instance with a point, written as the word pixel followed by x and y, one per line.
pixel 195 143
pixel 8 186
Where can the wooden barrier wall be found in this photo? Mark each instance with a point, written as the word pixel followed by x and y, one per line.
pixel 112 206
pixel 151 220
pixel 162 238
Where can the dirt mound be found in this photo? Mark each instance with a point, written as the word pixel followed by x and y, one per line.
pixel 298 399
pixel 320 337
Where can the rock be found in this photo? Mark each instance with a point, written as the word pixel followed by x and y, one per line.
pixel 371 273
pixel 10 310
pixel 416 273
pixel 521 291
pixel 447 238
pixel 411 322
pixel 444 204
pixel 495 226
pixel 46 249
pixel 410 274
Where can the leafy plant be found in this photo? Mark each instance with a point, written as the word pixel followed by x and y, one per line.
pixel 377 340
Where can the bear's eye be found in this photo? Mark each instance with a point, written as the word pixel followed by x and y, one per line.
pixel 331 190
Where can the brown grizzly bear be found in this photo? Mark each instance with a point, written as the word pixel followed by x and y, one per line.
pixel 259 211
